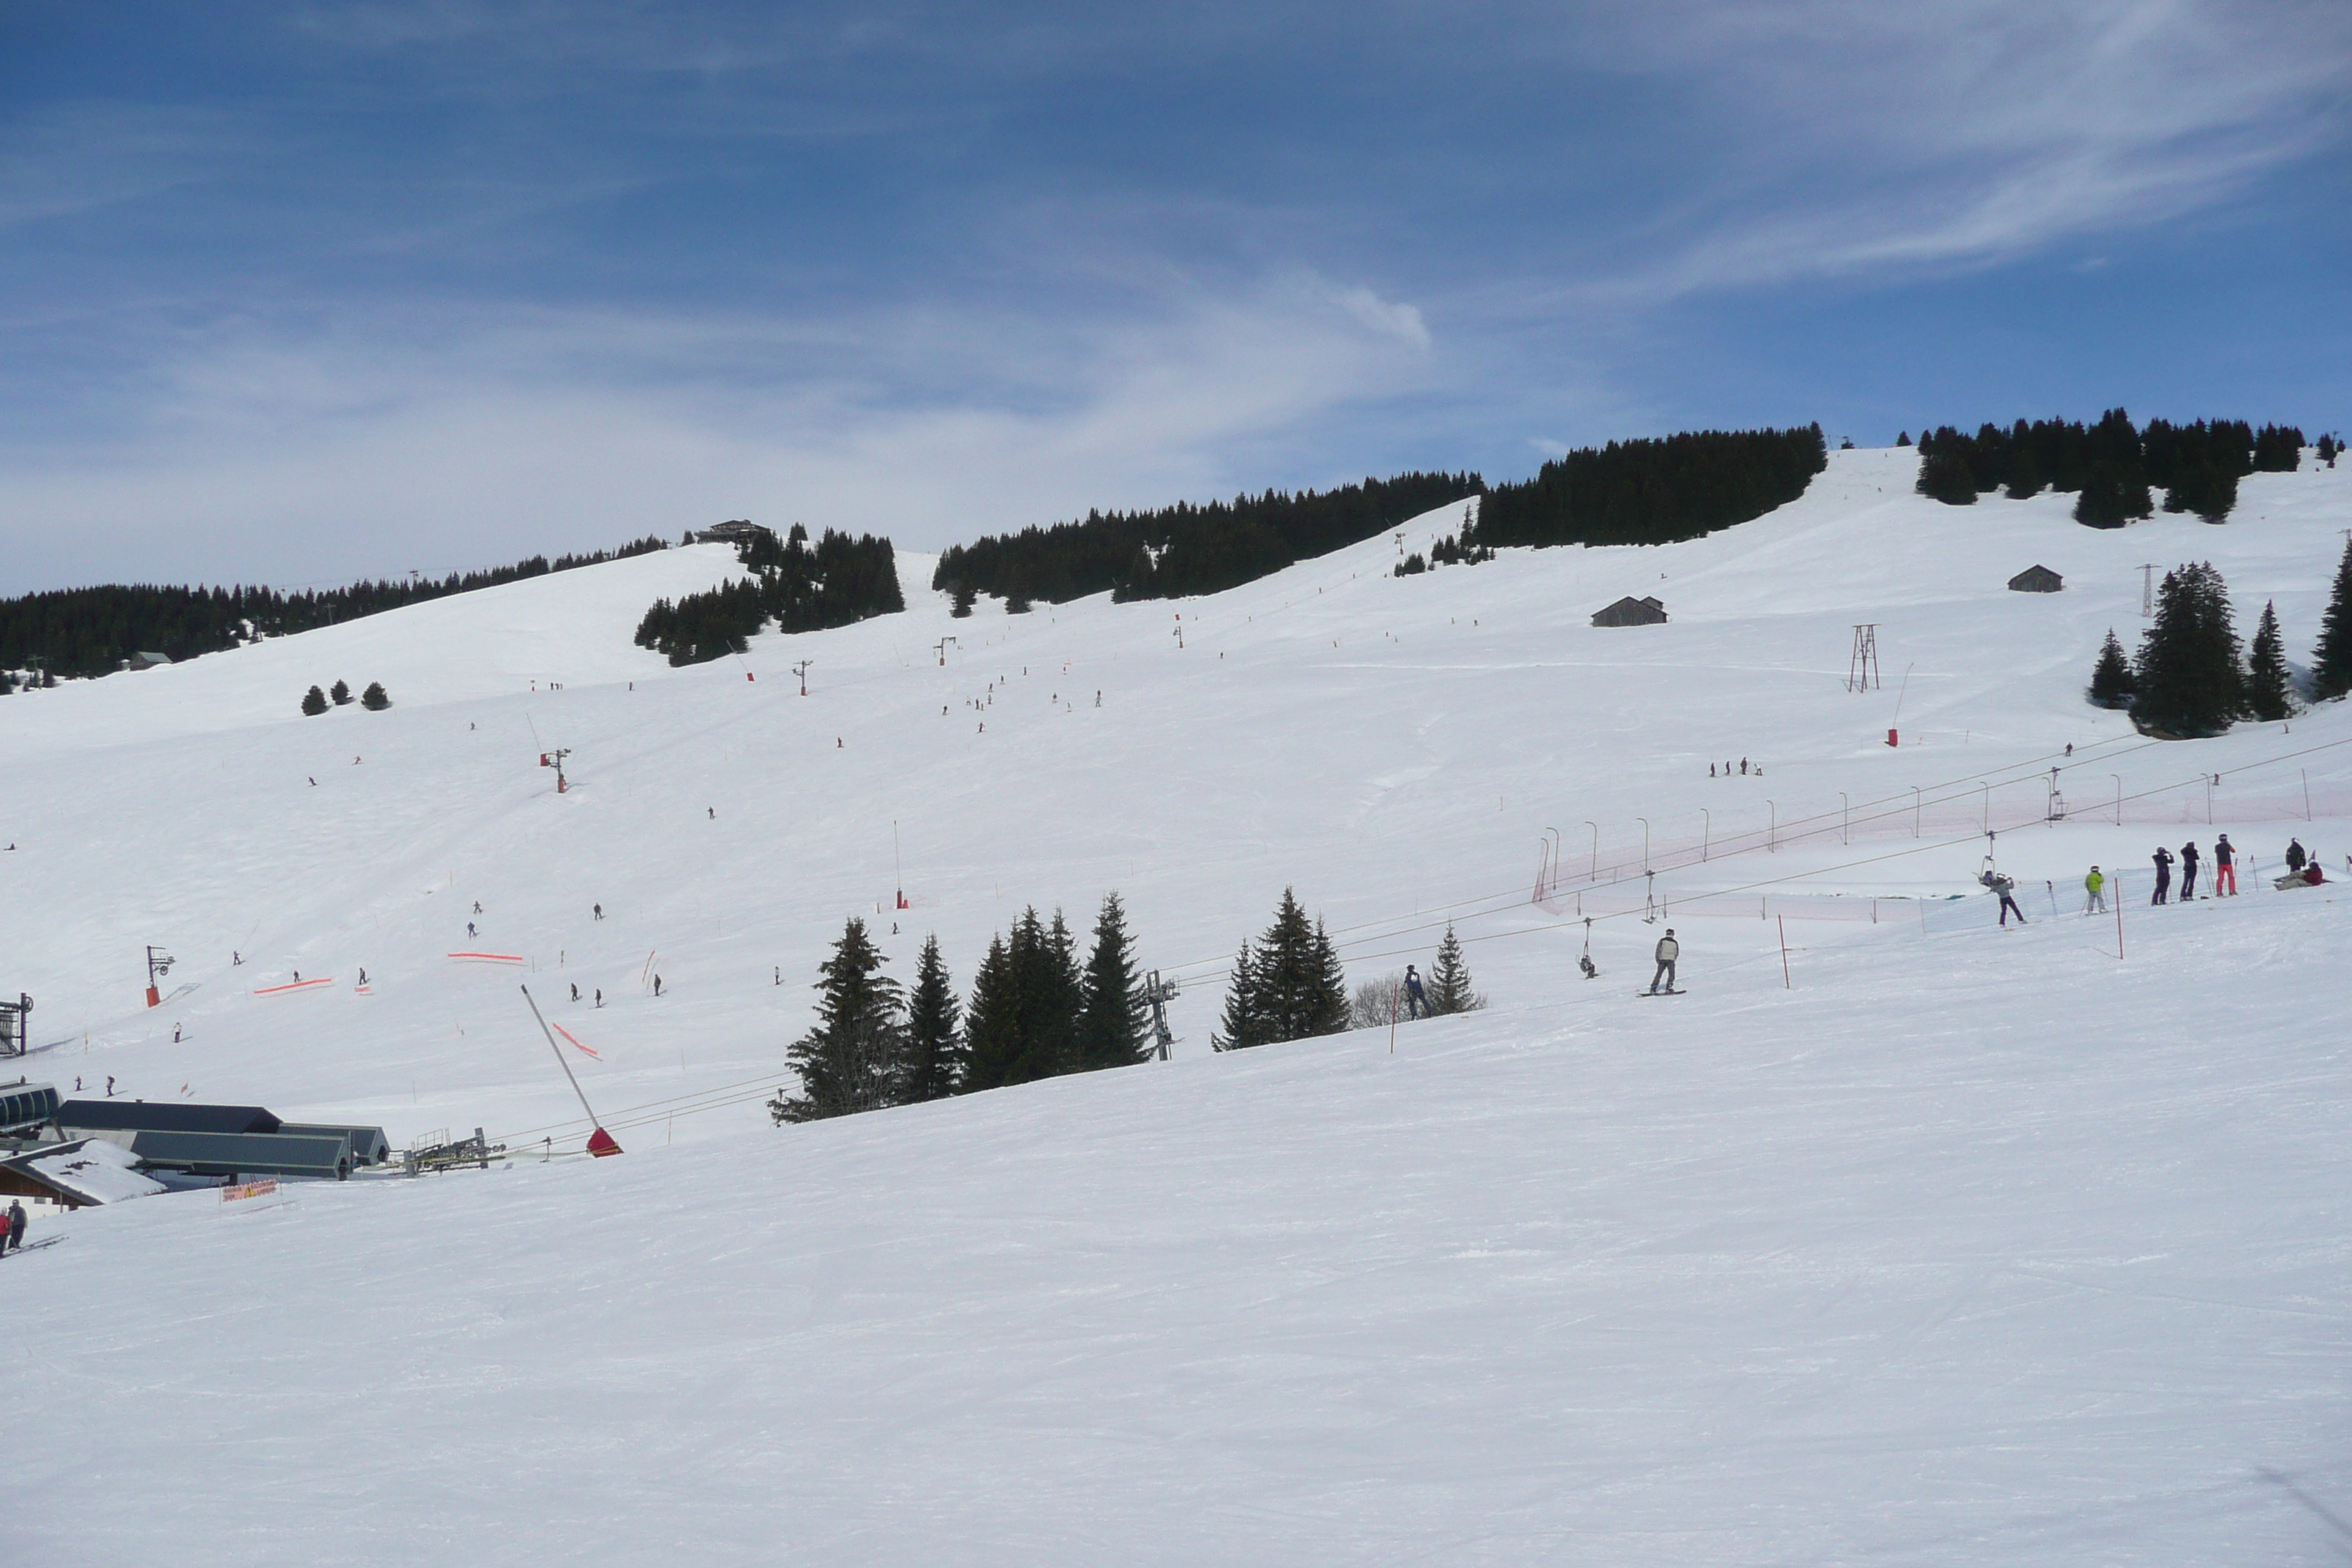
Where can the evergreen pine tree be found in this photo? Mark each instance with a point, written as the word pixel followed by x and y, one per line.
pixel 314 702
pixel 2111 677
pixel 965 595
pixel 855 1059
pixel 1450 990
pixel 1290 988
pixel 1241 1024
pixel 2025 477
pixel 935 1050
pixel 1022 1022
pixel 2268 695
pixel 992 1028
pixel 2189 683
pixel 374 698
pixel 340 692
pixel 1113 1023
pixel 1943 474
pixel 2112 495
pixel 2331 661
pixel 1904 439
pixel 1328 1007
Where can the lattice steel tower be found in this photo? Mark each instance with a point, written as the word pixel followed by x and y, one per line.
pixel 1862 670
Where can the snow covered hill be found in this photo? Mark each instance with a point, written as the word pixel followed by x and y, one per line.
pixel 1922 1241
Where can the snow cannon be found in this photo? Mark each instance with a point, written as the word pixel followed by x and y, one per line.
pixel 601 1143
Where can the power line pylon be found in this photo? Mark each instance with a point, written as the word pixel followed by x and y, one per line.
pixel 1862 670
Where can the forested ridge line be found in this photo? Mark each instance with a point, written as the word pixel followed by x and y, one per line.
pixel 91 631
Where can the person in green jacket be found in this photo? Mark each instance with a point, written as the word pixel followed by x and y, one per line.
pixel 2095 888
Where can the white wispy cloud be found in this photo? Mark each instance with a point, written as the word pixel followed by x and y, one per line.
pixel 440 440
pixel 1862 138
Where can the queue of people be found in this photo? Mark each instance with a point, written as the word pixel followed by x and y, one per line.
pixel 2302 871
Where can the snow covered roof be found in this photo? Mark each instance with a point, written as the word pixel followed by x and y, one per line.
pixel 88 1173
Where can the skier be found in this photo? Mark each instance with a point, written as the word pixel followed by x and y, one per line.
pixel 1668 951
pixel 1416 1002
pixel 2295 855
pixel 575 991
pixel 599 909
pixel 1743 766
pixel 2188 859
pixel 656 985
pixel 2225 869
pixel 2094 889
pixel 235 958
pixel 2006 890
pixel 1591 970
pixel 713 811
pixel 469 936
pixel 110 1086
pixel 1710 770
pixel 2163 858
pixel 600 996
pixel 478 906
pixel 362 976
pixel 175 1034
pixel 16 1224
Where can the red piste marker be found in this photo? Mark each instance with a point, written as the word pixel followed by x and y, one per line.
pixel 600 1143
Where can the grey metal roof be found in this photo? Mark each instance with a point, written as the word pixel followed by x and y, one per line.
pixel 162 1116
pixel 243 1155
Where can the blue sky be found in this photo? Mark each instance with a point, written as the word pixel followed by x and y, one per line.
pixel 294 293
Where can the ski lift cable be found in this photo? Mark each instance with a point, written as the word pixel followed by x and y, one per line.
pixel 1794 830
pixel 1225 971
pixel 746 1091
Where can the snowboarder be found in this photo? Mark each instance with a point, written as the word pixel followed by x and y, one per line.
pixel 2163 858
pixel 2094 891
pixel 2188 859
pixel 1669 950
pixel 2225 869
pixel 1416 1002
pixel 2295 855
pixel 16 1224
pixel 2007 890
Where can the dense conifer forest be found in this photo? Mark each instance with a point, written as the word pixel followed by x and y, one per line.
pixel 2112 466
pixel 1185 548
pixel 801 588
pixel 1652 491
pixel 91 631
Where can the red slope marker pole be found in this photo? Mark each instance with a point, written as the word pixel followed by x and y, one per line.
pixel 600 1143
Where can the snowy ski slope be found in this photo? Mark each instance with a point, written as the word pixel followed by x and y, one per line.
pixel 1943 1243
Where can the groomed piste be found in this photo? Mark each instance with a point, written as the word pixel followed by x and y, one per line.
pixel 1901 1237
